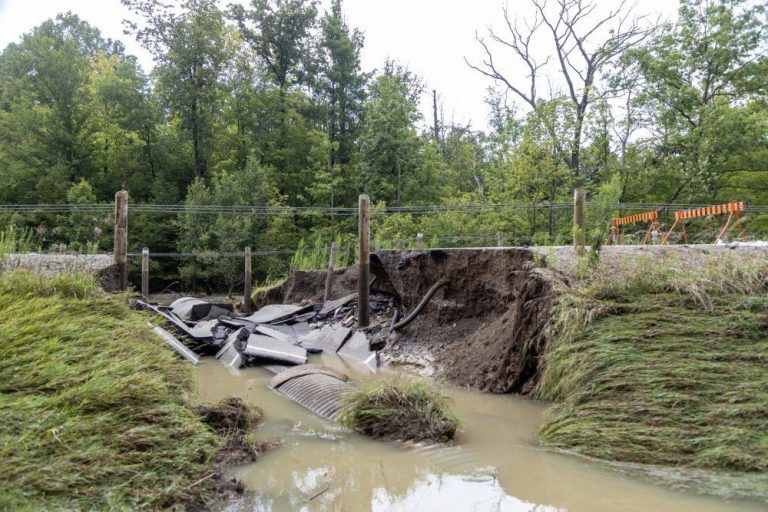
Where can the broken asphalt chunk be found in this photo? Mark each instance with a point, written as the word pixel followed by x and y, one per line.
pixel 273 313
pixel 229 354
pixel 192 309
pixel 270 348
pixel 270 331
pixel 176 345
pixel 358 349
pixel 332 305
pixel 204 334
pixel 328 339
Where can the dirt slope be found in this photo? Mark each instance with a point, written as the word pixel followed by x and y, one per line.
pixel 482 330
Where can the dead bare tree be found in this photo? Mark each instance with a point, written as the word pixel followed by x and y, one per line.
pixel 582 48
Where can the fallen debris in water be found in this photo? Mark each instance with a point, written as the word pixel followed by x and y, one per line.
pixel 265 347
pixel 328 339
pixel 276 334
pixel 192 309
pixel 176 345
pixel 358 349
pixel 229 355
pixel 319 389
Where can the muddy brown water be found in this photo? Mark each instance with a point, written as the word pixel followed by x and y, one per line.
pixel 496 465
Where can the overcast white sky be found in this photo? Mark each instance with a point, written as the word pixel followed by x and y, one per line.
pixel 432 37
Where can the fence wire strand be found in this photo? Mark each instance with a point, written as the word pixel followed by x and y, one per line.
pixel 337 211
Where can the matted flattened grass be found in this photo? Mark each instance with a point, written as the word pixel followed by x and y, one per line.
pixel 92 410
pixel 400 407
pixel 666 368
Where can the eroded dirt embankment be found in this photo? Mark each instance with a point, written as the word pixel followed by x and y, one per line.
pixel 482 330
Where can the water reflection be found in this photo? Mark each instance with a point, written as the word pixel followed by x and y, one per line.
pixel 479 491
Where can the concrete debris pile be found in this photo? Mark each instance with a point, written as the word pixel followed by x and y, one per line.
pixel 275 336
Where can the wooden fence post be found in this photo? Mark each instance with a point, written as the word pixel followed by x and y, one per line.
pixel 247 282
pixel 329 276
pixel 579 219
pixel 121 238
pixel 145 274
pixel 419 241
pixel 364 260
pixel 499 239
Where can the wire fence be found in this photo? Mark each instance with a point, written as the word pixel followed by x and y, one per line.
pixel 340 211
pixel 216 254
pixel 548 218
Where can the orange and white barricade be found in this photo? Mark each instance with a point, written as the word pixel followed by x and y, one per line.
pixel 733 209
pixel 652 218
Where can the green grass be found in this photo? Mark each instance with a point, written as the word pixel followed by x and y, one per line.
pixel 261 292
pixel 402 407
pixel 315 256
pixel 92 410
pixel 13 240
pixel 665 365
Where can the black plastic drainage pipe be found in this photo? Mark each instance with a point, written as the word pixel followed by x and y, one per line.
pixel 410 318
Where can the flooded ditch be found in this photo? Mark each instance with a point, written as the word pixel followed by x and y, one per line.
pixel 483 335
pixel 495 465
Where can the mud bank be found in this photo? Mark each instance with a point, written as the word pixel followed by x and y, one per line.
pixel 234 421
pixel 484 329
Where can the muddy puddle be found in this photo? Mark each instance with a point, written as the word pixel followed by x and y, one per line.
pixel 496 466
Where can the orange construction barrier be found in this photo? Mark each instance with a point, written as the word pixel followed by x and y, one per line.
pixel 733 209
pixel 651 217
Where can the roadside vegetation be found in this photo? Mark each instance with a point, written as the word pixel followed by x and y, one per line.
pixel 14 239
pixel 92 407
pixel 315 254
pixel 666 365
pixel 402 408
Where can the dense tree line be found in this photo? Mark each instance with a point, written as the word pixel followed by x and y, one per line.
pixel 267 104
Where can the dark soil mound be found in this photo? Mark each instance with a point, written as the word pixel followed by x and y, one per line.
pixel 407 427
pixel 309 286
pixel 229 416
pixel 484 329
pixel 234 420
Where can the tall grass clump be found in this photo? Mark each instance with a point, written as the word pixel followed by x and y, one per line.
pixel 314 255
pixel 665 364
pixel 267 292
pixel 15 240
pixel 400 407
pixel 92 409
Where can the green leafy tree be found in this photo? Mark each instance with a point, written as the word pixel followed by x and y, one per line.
pixel 279 32
pixel 84 230
pixel 341 83
pixel 704 89
pixel 341 88
pixel 189 43
pixel 226 233
pixel 390 143
pixel 280 35
pixel 45 107
pixel 119 127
